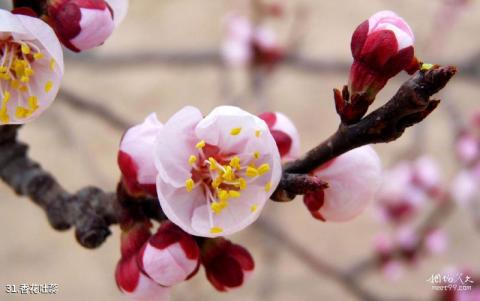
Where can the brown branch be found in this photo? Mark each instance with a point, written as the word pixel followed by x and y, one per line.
pixel 409 106
pixel 90 210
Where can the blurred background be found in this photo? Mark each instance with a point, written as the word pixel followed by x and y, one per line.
pixel 80 149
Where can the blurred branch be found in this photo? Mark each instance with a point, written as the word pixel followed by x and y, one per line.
pixel 95 108
pixel 314 262
pixel 198 58
pixel 409 106
pixel 211 57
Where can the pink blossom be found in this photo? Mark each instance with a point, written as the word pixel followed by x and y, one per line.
pixel 246 44
pixel 236 49
pixel 382 46
pixel 81 24
pixel 467 147
pixel 216 173
pixel 136 157
pixel 427 174
pixel 405 188
pixel 31 67
pixel 393 270
pixel 464 187
pixel 170 256
pixel 134 284
pixel 436 241
pixel 227 265
pixel 383 244
pixel 285 134
pixel 348 192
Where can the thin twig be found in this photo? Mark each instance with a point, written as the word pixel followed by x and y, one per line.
pixel 96 108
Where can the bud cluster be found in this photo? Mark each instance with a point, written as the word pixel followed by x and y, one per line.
pixel 151 264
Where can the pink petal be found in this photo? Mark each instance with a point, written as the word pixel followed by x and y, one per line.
pixel 138 142
pixel 180 205
pixel 353 180
pixel 174 145
pixel 284 124
pixel 167 266
pixel 120 9
pixel 96 26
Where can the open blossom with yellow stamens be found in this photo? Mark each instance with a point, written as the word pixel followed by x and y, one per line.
pixel 216 173
pixel 31 67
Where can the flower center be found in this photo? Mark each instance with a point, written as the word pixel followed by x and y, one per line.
pixel 17 69
pixel 223 177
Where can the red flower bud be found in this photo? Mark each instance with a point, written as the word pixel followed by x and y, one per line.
pixel 285 134
pixel 382 46
pixel 227 265
pixel 170 256
pixel 133 283
pixel 133 237
pixel 81 24
pixel 135 157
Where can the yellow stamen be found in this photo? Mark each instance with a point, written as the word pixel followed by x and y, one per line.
pixel 52 64
pixel 24 79
pixel 48 86
pixel 268 186
pixel 216 230
pixel 253 208
pixel 33 103
pixel 189 184
pixel 263 169
pixel 25 49
pixel 216 182
pixel 251 172
pixel 235 131
pixel 256 155
pixel 22 112
pixel 29 72
pixel 234 194
pixel 15 84
pixel 223 195
pixel 258 133
pixel 200 144
pixel 213 163
pixel 192 159
pixel 6 97
pixel 242 183
pixel 216 207
pixel 235 162
pixel 38 56
pixel 229 175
